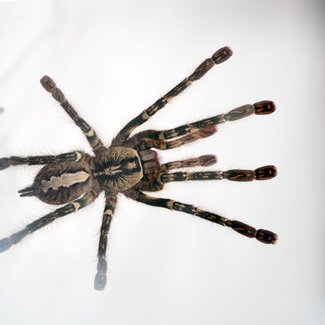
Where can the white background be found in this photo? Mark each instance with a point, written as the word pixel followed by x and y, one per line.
pixel 114 58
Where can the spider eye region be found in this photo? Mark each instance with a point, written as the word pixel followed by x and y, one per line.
pixel 118 168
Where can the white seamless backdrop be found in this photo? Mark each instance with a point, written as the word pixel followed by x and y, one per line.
pixel 114 58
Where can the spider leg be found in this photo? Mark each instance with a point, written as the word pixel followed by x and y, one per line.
pixel 264 236
pixel 100 278
pixel 197 130
pixel 147 143
pixel 154 183
pixel 204 161
pixel 239 175
pixel 218 57
pixel 73 206
pixel 260 108
pixel 41 160
pixel 94 141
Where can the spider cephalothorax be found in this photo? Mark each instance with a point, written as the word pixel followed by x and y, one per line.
pixel 130 166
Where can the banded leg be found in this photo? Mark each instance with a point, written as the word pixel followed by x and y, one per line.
pixel 204 161
pixel 260 108
pixel 50 86
pixel 41 160
pixel 239 175
pixel 264 236
pixel 100 278
pixel 15 238
pixel 147 143
pixel 218 57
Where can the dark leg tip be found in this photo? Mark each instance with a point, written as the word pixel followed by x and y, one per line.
pixel 264 107
pixel 5 244
pixel 4 163
pixel 265 172
pixel 100 278
pixel 207 160
pixel 266 236
pixel 222 55
pixel 48 83
pixel 100 281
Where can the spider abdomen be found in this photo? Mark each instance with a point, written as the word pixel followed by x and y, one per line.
pixel 59 183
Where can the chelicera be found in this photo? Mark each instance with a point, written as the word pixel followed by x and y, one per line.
pixel 130 166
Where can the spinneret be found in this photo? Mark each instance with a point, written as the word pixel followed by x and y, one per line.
pixel 131 166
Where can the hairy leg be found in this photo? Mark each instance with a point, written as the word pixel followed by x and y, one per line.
pixel 154 183
pixel 15 238
pixel 100 278
pixel 204 161
pixel 239 175
pixel 142 142
pixel 264 236
pixel 50 86
pixel 261 108
pixel 41 160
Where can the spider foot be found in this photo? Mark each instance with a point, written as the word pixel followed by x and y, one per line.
pixel 246 175
pixel 50 86
pixel 5 163
pixel 100 278
pixel 264 107
pixel 207 160
pixel 265 172
pixel 100 281
pixel 5 244
pixel 222 55
pixel 48 83
pixel 264 236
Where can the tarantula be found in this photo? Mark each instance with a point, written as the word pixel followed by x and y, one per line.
pixel 130 166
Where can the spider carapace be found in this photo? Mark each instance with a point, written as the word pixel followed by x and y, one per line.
pixel 130 166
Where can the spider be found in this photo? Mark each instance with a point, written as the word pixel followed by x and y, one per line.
pixel 130 166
